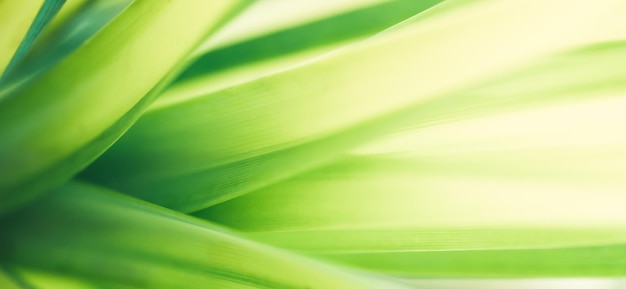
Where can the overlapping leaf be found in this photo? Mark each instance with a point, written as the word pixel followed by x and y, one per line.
pixel 522 176
pixel 77 22
pixel 85 234
pixel 46 13
pixel 17 17
pixel 476 139
pixel 64 119
pixel 217 146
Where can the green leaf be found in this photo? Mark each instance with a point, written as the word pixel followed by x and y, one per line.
pixel 48 10
pixel 15 19
pixel 406 193
pixel 92 235
pixel 54 127
pixel 403 217
pixel 596 261
pixel 518 283
pixel 78 22
pixel 268 17
pixel 337 28
pixel 224 144
pixel 250 56
pixel 8 282
pixel 478 139
pixel 520 176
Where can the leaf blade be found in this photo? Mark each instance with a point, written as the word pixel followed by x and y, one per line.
pixel 71 121
pixel 138 244
pixel 274 113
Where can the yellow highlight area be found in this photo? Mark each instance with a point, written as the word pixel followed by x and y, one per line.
pixel 15 19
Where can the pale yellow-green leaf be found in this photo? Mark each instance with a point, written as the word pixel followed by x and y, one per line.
pixel 15 19
pixel 217 146
pixel 60 122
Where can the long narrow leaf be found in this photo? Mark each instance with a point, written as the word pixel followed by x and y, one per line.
pixel 522 176
pixel 277 50
pixel 101 237
pixel 186 146
pixel 78 22
pixel 53 128
pixel 48 11
pixel 16 18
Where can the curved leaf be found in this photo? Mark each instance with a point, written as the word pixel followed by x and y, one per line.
pixel 521 176
pixel 53 128
pixel 100 237
pixel 16 17
pixel 182 147
pixel 48 10
pixel 78 22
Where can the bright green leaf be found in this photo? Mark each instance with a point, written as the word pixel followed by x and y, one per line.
pixel 104 238
pixel 15 19
pixel 48 11
pixel 221 145
pixel 64 119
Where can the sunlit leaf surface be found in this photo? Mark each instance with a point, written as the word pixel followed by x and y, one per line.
pixel 246 128
pixel 313 144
